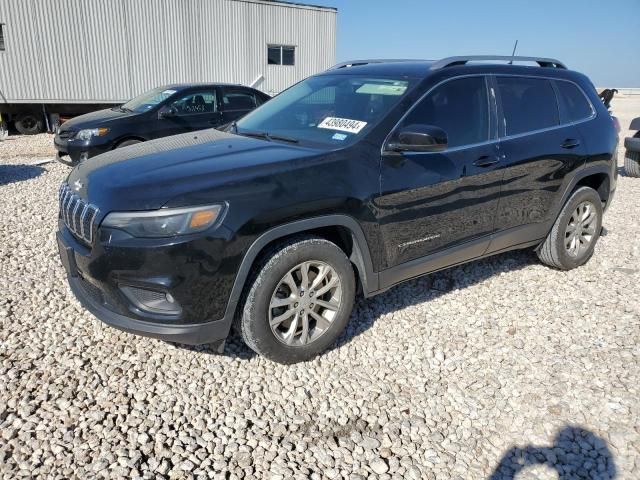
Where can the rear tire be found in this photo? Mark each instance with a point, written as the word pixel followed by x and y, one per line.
pixel 126 143
pixel 29 123
pixel 574 235
pixel 632 164
pixel 290 316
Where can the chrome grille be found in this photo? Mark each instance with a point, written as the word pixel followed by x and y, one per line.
pixel 78 215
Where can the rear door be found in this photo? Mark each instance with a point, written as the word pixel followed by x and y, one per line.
pixel 236 103
pixel 538 152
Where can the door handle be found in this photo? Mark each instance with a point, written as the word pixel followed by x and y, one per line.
pixel 486 161
pixel 570 143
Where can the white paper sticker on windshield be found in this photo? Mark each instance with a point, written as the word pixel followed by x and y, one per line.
pixel 169 92
pixel 342 124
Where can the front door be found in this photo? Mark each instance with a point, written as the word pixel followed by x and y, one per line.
pixel 432 201
pixel 196 110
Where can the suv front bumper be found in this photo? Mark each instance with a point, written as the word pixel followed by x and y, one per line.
pixel 96 288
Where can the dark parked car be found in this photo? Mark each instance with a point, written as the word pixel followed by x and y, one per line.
pixel 160 112
pixel 632 150
pixel 358 178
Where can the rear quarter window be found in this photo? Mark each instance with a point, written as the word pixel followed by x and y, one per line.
pixel 575 103
pixel 528 104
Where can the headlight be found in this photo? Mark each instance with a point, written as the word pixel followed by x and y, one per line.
pixel 166 222
pixel 92 132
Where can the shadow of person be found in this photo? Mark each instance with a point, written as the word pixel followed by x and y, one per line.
pixel 576 453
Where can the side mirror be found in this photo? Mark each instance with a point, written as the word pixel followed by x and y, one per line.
pixel 418 138
pixel 168 112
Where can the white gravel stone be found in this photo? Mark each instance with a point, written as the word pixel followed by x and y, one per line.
pixel 489 367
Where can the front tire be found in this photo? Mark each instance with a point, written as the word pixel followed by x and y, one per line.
pixel 573 237
pixel 126 143
pixel 299 300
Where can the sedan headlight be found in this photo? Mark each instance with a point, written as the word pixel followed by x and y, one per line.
pixel 91 132
pixel 166 222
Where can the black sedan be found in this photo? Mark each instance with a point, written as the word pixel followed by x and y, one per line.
pixel 160 112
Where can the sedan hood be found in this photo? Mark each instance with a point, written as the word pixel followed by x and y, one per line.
pixel 177 171
pixel 96 119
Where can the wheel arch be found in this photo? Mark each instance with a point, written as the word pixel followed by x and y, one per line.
pixel 340 229
pixel 597 177
pixel 120 141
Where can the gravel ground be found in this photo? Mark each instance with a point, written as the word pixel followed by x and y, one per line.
pixel 498 369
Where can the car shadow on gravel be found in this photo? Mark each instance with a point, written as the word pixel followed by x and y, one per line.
pixel 18 173
pixel 575 453
pixel 234 348
pixel 622 172
pixel 424 289
pixel 413 292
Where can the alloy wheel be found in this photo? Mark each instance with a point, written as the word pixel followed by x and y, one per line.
pixel 581 229
pixel 305 303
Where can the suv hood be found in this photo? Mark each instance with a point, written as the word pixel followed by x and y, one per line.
pixel 178 171
pixel 96 119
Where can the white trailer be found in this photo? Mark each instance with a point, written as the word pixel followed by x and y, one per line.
pixel 66 57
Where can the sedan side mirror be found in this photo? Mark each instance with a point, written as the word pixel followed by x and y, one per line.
pixel 168 112
pixel 418 138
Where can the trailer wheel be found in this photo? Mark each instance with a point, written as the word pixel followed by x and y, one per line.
pixel 28 123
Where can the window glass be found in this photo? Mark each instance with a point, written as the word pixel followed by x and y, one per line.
pixel 195 103
pixel 576 104
pixel 274 55
pixel 280 55
pixel 238 100
pixel 460 107
pixel 1 36
pixel 528 104
pixel 288 55
pixel 328 110
pixel 148 100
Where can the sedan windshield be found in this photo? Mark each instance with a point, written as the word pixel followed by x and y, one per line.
pixel 332 110
pixel 148 100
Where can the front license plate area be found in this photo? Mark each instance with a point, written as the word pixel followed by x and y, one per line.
pixel 67 258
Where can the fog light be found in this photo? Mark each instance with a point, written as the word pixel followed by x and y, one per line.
pixel 151 301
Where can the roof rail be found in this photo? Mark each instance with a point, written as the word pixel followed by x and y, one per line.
pixel 355 63
pixel 455 61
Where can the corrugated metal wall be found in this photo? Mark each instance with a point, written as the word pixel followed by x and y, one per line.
pixel 67 51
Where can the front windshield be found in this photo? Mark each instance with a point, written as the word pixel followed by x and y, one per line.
pixel 148 100
pixel 328 109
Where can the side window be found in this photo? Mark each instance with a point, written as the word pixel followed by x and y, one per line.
pixel 460 107
pixel 195 103
pixel 238 100
pixel 575 103
pixel 528 104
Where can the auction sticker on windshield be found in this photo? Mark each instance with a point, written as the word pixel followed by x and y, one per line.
pixel 342 124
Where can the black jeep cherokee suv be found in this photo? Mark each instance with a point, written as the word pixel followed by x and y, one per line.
pixel 366 175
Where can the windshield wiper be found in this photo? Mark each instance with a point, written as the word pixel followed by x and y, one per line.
pixel 120 108
pixel 266 135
